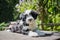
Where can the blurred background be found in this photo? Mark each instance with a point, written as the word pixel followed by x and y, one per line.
pixel 48 10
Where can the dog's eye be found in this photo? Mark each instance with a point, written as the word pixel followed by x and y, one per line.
pixel 27 24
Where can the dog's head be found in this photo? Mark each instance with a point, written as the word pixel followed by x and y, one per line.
pixel 31 13
pixel 29 17
pixel 28 14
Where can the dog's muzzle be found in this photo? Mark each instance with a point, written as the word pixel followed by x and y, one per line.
pixel 30 20
pixel 31 23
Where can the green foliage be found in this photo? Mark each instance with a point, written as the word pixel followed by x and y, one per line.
pixel 51 15
pixel 58 18
pixel 3 25
pixel 49 11
pixel 27 5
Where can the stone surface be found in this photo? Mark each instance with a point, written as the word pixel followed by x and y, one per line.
pixel 4 35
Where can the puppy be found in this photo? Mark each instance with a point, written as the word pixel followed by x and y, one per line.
pixel 29 17
pixel 27 25
pixel 26 22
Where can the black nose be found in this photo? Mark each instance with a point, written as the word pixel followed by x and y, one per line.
pixel 27 24
pixel 30 19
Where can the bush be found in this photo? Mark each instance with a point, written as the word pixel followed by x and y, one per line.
pixel 3 25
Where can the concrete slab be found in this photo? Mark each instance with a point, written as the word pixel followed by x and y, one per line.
pixel 4 35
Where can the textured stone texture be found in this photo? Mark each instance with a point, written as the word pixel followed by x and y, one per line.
pixel 4 35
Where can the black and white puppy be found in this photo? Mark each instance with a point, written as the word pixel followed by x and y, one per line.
pixel 27 24
pixel 28 18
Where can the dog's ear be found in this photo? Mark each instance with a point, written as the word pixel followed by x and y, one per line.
pixel 34 14
pixel 22 17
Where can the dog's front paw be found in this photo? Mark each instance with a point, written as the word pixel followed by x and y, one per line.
pixel 32 34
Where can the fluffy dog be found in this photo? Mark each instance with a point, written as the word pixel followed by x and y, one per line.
pixel 27 25
pixel 28 18
pixel 26 22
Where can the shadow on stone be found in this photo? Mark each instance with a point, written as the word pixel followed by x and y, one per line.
pixel 57 39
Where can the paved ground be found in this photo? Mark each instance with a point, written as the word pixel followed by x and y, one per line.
pixel 4 35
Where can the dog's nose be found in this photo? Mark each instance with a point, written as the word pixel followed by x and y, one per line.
pixel 27 24
pixel 30 19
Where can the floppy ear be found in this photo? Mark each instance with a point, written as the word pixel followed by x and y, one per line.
pixel 22 17
pixel 34 14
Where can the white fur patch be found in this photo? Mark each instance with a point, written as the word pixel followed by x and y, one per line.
pixel 8 30
pixel 27 12
pixel 32 34
pixel 21 22
pixel 36 33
